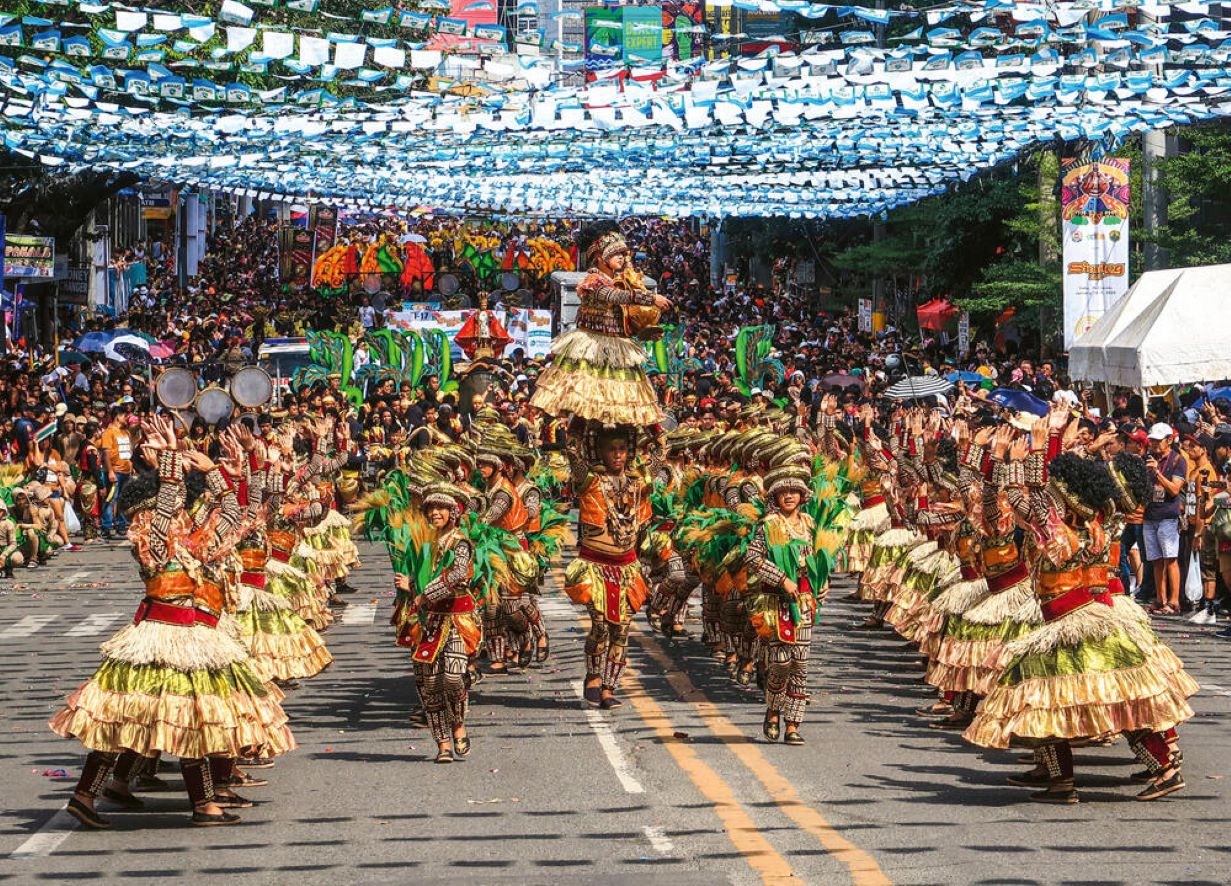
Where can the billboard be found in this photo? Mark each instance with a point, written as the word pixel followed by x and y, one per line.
pixel 1094 204
pixel 26 256
pixel 604 35
pixel 643 34
pixel 683 30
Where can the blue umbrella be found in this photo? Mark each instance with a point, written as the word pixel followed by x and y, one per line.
pixel 95 342
pixel 1018 401
pixel 970 378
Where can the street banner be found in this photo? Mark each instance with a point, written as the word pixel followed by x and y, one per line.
pixel 963 334
pixel 300 265
pixel 865 315
pixel 529 330
pixel 26 256
pixel 323 221
pixel 1095 202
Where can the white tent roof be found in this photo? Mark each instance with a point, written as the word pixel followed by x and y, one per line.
pixel 1087 358
pixel 1184 335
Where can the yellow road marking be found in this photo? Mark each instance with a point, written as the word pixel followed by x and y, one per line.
pixel 862 866
pixel 741 831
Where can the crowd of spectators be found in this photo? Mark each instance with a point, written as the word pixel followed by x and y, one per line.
pixel 67 431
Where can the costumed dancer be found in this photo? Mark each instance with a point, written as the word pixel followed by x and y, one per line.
pixel 785 592
pixel 172 682
pixel 1085 672
pixel 597 378
pixel 284 647
pixel 606 577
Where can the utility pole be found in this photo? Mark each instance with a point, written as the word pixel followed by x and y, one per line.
pixel 1157 144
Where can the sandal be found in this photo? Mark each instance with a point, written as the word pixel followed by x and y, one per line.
pixel 205 819
pixel 541 652
pixel 232 801
pixel 461 746
pixel 793 738
pixel 122 798
pixel 610 703
pixel 244 780
pixel 772 729
pixel 444 755
pixel 593 695
pixel 524 657
pixel 86 815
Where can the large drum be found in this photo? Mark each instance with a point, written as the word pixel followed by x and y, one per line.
pixel 213 405
pixel 176 388
pixel 252 387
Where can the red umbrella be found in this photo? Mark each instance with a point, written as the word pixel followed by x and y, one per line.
pixel 162 351
pixel 935 314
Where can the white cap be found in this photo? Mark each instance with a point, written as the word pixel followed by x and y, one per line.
pixel 1161 431
pixel 755 392
pixel 1067 397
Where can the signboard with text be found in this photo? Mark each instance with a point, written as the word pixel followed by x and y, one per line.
pixel 1095 200
pixel 26 256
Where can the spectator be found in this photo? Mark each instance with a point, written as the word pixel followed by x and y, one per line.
pixel 117 451
pixel 1161 527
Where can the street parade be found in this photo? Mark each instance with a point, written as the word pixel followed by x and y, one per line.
pixel 726 442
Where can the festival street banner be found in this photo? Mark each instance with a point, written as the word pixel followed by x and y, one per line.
pixel 26 256
pixel 1095 202
pixel 529 330
pixel 323 221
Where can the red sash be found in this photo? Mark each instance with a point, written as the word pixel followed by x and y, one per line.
pixel 152 610
pixel 1006 580
pixel 1071 601
pixel 873 500
pixel 253 579
pixel 429 647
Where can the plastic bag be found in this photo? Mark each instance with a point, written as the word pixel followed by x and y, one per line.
pixel 1193 591
pixel 70 519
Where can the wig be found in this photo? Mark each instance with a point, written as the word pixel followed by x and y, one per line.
pixel 1090 481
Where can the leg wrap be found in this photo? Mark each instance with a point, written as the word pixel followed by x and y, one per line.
pixel 127 766
pixel 453 680
pixel 1152 749
pixel 617 655
pixel 493 631
pixel 437 722
pixel 221 769
pixel 94 774
pixel 710 618
pixel 530 607
pixel 198 780
pixel 613 668
pixel 777 676
pixel 1057 759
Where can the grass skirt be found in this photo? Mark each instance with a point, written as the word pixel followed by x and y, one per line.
pixel 182 690
pixel 1080 676
pixel 597 377
pixel 887 563
pixel 281 645
pixel 864 527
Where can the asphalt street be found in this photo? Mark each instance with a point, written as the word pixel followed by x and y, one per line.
pixel 676 786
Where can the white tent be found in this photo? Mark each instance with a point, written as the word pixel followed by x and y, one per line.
pixel 1183 335
pixel 1087 358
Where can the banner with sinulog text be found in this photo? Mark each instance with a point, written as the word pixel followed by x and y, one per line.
pixel 1095 203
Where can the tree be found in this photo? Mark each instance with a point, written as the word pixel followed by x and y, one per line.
pixel 1198 187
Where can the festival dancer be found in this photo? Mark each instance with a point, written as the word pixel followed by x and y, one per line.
pixel 505 510
pixel 172 682
pixel 606 577
pixel 1085 672
pixel 783 602
pixel 451 630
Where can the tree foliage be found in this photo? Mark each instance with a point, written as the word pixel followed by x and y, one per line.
pixel 1198 187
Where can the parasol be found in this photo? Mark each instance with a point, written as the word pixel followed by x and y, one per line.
pixel 918 387
pixel 1018 401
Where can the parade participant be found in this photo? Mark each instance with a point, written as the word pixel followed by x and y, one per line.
pixel 606 575
pixel 782 601
pixel 544 532
pixel 597 370
pixel 283 647
pixel 13 548
pixel 1083 673
pixel 669 575
pixel 90 479
pixel 505 510
pixel 172 682
pixel 450 631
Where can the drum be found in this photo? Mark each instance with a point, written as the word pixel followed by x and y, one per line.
pixel 214 404
pixel 176 388
pixel 251 387
pixel 447 284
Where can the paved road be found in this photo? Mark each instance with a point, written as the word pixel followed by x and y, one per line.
pixel 673 787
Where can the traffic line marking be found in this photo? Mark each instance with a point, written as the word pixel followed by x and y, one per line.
pixel 44 841
pixel 359 614
pixel 862 866
pixel 611 748
pixel 661 843
pixel 95 624
pixel 28 625
pixel 741 830
pixel 77 576
pixel 1214 687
